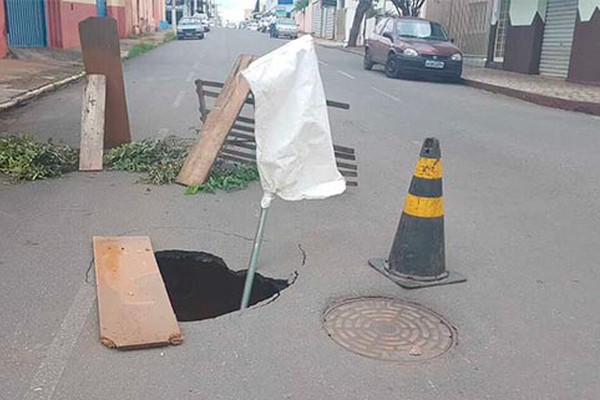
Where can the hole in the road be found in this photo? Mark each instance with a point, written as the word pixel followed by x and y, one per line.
pixel 201 286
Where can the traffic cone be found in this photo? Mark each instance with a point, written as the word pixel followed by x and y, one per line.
pixel 417 258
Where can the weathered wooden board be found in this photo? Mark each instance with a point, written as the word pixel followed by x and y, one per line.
pixel 101 51
pixel 218 123
pixel 133 306
pixel 91 147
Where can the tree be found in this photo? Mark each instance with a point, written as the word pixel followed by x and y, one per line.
pixel 408 7
pixel 300 5
pixel 361 9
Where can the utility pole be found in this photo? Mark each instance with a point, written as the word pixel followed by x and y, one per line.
pixel 174 16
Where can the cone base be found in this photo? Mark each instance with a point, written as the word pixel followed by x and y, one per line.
pixel 381 265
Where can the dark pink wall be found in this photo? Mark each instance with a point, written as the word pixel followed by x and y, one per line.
pixel 3 39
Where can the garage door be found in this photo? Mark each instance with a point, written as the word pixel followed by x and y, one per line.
pixel 317 22
pixel 26 23
pixel 558 37
pixel 328 22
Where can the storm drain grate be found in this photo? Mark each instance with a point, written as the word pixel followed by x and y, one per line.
pixel 389 329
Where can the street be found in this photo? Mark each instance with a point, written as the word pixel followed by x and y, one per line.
pixel 522 211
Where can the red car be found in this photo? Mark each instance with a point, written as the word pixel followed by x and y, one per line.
pixel 413 46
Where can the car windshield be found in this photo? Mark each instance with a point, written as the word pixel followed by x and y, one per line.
pixel 189 21
pixel 286 22
pixel 418 29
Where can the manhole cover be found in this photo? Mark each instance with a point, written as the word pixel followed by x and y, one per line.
pixel 389 329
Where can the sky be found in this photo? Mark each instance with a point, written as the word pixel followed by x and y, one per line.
pixel 233 10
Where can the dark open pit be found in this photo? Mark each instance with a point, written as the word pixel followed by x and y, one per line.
pixel 201 286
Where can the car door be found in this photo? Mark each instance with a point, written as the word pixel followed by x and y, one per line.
pixel 386 42
pixel 375 40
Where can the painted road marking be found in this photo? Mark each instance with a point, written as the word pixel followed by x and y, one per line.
pixel 347 75
pixel 190 76
pixel 389 96
pixel 53 365
pixel 179 99
pixel 323 63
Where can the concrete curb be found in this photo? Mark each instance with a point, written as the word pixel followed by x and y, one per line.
pixel 32 94
pixel 540 99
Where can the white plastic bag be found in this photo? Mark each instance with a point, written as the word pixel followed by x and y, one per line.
pixel 294 150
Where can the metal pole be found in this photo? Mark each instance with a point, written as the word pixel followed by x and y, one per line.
pixel 254 258
pixel 174 17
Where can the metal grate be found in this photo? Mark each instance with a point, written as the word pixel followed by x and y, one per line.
pixel 240 145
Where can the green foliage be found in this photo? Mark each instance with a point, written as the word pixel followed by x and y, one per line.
pixel 22 158
pixel 227 176
pixel 300 5
pixel 162 159
pixel 140 48
pixel 170 36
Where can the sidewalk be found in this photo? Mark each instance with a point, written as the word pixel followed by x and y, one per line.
pixel 546 91
pixel 32 72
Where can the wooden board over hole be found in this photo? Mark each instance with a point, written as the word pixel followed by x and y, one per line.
pixel 133 306
pixel 91 148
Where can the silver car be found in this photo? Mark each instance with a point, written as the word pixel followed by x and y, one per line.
pixel 190 27
pixel 286 27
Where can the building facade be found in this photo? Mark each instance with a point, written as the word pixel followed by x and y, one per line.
pixel 54 23
pixel 559 38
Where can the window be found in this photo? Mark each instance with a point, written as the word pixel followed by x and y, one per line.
pixel 389 27
pixel 421 29
pixel 380 25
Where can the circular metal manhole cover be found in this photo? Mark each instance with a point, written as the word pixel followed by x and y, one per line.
pixel 389 329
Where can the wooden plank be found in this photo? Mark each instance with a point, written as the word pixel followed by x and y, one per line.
pixel 101 52
pixel 133 306
pixel 91 148
pixel 218 123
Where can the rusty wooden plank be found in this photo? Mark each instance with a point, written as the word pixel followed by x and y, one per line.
pixel 102 55
pixel 228 105
pixel 91 148
pixel 133 306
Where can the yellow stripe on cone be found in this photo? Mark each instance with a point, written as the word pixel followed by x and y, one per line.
pixel 429 168
pixel 424 207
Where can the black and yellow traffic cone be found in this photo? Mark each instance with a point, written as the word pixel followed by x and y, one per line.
pixel 417 258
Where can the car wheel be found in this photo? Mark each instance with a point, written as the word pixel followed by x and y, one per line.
pixel 367 62
pixel 391 67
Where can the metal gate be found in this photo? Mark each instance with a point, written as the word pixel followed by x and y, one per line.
pixel 317 19
pixel 558 37
pixel 501 28
pixel 328 22
pixel 101 9
pixel 26 23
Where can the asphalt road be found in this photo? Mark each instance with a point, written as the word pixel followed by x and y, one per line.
pixel 522 215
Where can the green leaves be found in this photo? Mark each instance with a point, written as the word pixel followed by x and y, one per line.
pixel 22 158
pixel 162 159
pixel 227 176
pixel 140 48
